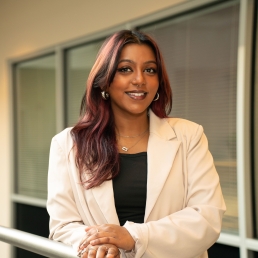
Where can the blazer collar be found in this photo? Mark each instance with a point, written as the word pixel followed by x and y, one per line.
pixel 104 196
pixel 161 127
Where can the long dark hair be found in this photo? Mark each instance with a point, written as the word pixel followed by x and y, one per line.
pixel 94 135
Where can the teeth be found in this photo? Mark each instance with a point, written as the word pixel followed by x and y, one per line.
pixel 136 94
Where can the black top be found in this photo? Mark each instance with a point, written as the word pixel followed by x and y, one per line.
pixel 130 187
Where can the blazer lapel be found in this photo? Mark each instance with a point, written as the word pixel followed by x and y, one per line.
pixel 104 197
pixel 161 153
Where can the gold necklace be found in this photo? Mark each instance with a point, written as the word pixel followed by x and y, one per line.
pixel 127 149
pixel 135 136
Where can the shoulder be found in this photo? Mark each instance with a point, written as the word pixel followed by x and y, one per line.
pixel 183 125
pixel 63 135
pixel 170 127
pixel 185 130
pixel 64 139
pixel 189 133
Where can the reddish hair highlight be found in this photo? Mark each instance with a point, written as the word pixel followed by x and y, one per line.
pixel 94 134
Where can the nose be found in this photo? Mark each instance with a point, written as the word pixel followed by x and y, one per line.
pixel 138 79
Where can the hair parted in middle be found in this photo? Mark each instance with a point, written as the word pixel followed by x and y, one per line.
pixel 94 135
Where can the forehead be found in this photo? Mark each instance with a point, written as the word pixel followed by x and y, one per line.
pixel 136 51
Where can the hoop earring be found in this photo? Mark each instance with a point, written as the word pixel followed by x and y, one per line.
pixel 156 97
pixel 104 95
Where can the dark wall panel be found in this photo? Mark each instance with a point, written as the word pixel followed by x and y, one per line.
pixel 33 220
pixel 223 251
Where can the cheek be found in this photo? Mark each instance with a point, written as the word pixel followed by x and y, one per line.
pixel 117 84
pixel 155 86
pixel 116 92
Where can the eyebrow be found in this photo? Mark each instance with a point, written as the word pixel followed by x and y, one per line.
pixel 131 61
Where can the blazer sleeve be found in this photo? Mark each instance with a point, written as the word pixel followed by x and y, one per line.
pixel 192 230
pixel 65 224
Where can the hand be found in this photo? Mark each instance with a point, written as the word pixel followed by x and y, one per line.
pixel 108 234
pixel 100 251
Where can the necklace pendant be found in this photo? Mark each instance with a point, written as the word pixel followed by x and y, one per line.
pixel 124 149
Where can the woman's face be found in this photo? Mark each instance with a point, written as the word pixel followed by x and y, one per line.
pixel 136 81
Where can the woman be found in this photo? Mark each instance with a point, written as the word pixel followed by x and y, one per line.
pixel 126 180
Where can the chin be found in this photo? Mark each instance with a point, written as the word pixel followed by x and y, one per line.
pixel 138 112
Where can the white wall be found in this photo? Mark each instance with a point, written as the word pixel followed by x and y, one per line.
pixel 30 25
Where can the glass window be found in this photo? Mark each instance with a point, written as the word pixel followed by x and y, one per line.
pixel 79 61
pixel 35 120
pixel 200 51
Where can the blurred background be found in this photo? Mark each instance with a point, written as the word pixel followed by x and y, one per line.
pixel 47 49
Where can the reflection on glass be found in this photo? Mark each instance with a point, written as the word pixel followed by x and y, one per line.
pixel 200 51
pixel 79 61
pixel 35 123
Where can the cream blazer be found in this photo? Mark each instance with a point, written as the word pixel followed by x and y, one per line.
pixel 184 205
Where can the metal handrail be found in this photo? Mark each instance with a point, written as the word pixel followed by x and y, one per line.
pixel 36 244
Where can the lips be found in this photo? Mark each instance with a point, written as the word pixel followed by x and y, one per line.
pixel 139 95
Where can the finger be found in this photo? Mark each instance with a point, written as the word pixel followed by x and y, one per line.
pixel 92 231
pixel 81 245
pixel 102 251
pixel 85 242
pixel 86 229
pixel 92 252
pixel 112 253
pixel 103 240
pixel 83 253
pixel 91 228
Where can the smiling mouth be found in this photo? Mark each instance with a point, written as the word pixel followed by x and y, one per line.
pixel 137 95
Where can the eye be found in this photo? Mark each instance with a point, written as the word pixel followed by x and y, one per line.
pixel 150 70
pixel 124 69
